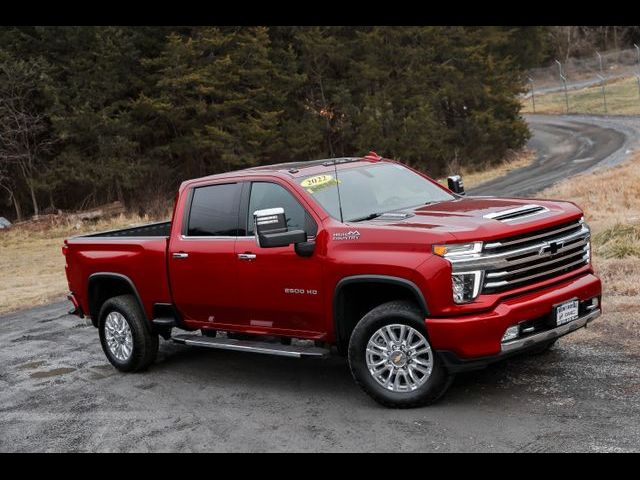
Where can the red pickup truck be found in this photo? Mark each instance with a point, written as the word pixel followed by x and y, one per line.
pixel 412 281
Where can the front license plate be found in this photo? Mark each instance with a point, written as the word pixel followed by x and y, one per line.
pixel 566 312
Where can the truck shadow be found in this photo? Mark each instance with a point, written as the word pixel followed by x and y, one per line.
pixel 260 374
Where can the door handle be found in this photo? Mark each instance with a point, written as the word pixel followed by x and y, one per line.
pixel 247 256
pixel 180 255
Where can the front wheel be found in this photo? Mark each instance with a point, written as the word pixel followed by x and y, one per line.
pixel 125 335
pixel 392 360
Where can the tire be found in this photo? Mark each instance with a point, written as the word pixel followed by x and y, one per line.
pixel 144 343
pixel 397 313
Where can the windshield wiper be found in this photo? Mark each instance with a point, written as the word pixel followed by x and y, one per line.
pixel 371 216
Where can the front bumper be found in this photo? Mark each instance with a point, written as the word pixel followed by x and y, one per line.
pixel 455 364
pixel 478 338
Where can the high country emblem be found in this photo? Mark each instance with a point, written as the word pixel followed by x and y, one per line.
pixel 350 235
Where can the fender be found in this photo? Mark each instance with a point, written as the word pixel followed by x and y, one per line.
pixel 402 282
pixel 113 276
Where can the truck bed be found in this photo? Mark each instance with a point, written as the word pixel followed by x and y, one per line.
pixel 137 253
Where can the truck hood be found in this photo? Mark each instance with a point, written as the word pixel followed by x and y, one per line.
pixel 481 218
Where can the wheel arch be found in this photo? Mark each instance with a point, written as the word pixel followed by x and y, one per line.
pixel 366 292
pixel 104 285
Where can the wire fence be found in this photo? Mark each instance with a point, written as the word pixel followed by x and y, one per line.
pixel 607 82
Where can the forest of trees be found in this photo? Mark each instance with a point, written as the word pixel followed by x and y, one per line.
pixel 95 114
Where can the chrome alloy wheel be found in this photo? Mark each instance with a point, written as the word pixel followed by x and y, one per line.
pixel 118 335
pixel 399 357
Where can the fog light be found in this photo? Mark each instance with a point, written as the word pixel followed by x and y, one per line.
pixel 510 333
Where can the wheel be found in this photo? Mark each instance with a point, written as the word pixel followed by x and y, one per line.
pixel 542 348
pixel 391 359
pixel 125 335
pixel 208 333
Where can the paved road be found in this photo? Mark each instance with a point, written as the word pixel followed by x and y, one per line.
pixel 58 393
pixel 567 145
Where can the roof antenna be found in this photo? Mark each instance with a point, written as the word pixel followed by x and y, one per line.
pixel 335 169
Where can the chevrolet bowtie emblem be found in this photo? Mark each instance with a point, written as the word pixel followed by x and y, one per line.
pixel 550 248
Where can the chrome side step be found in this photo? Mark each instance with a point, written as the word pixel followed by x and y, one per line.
pixel 295 351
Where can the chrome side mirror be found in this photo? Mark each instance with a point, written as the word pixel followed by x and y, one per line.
pixel 455 184
pixel 270 227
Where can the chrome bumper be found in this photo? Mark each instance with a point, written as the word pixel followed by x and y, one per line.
pixel 522 343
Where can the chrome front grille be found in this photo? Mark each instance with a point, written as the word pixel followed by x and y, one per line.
pixel 516 261
pixel 537 256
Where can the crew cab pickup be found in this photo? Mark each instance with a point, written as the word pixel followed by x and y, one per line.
pixel 364 256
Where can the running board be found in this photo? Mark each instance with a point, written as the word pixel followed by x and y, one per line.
pixel 295 351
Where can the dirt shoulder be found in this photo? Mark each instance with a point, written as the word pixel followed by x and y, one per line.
pixel 32 263
pixel 611 202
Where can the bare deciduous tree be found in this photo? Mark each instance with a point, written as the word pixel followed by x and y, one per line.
pixel 24 129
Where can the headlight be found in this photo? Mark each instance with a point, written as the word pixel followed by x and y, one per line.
pixel 453 250
pixel 465 285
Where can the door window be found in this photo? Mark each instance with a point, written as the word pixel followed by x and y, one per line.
pixel 214 211
pixel 271 195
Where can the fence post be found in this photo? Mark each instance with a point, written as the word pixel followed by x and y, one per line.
pixel 604 95
pixel 533 98
pixel 600 61
pixel 564 83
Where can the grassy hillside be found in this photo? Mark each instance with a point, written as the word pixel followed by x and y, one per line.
pixel 623 98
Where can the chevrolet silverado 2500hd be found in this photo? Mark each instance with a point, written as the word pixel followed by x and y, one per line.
pixel 412 281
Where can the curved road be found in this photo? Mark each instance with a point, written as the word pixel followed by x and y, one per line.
pixel 566 145
pixel 58 393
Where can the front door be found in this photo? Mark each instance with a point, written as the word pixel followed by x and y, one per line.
pixel 203 270
pixel 281 289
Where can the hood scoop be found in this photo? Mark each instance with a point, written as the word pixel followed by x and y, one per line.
pixel 516 213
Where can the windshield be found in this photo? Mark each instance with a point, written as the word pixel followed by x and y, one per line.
pixel 371 190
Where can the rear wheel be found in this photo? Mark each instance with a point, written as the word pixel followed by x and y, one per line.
pixel 392 360
pixel 125 335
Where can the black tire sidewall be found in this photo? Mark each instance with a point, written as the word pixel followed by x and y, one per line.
pixel 386 314
pixel 144 342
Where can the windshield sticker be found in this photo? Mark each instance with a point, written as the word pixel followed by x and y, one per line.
pixel 313 184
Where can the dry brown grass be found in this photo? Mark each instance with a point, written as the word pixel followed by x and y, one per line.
pixel 611 202
pixel 32 263
pixel 476 176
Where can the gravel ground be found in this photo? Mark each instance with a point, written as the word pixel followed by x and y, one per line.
pixel 58 393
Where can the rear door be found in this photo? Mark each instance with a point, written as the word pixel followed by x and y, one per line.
pixel 281 289
pixel 202 264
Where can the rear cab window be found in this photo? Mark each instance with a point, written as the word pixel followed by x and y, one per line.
pixel 214 211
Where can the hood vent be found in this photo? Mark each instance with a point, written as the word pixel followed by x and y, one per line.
pixel 516 213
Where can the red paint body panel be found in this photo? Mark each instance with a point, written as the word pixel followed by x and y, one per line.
pixel 141 260
pixel 213 288
pixel 479 335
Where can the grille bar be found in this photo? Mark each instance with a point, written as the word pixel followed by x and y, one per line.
pixel 546 235
pixel 555 260
pixel 518 255
pixel 536 275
